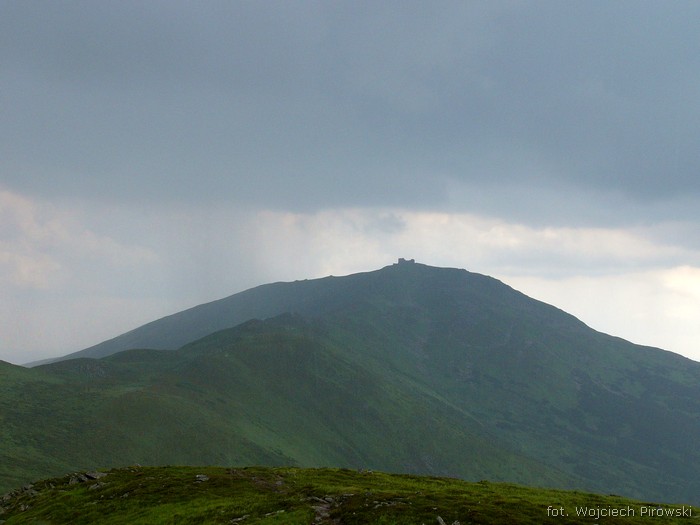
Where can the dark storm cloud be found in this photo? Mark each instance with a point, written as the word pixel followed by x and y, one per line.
pixel 308 105
pixel 606 89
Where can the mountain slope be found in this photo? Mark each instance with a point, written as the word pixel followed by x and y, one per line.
pixel 409 368
pixel 277 392
pixel 311 298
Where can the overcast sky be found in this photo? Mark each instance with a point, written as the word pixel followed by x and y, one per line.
pixel 157 155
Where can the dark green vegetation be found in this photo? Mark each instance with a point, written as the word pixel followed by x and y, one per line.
pixel 407 369
pixel 292 496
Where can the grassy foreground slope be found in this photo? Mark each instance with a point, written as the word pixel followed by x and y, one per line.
pixel 150 495
pixel 277 392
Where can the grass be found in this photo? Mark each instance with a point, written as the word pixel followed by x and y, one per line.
pixel 262 496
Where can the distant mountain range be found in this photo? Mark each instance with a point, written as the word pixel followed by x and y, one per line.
pixel 410 368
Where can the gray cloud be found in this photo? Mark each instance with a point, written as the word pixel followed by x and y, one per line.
pixel 313 105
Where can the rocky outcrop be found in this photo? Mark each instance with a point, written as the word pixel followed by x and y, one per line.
pixel 22 499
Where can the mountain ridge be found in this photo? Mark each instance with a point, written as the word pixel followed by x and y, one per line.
pixel 260 302
pixel 409 368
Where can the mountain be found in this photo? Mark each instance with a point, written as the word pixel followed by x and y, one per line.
pixel 274 392
pixel 292 496
pixel 405 281
pixel 409 368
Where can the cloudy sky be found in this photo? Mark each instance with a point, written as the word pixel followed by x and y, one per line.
pixel 157 155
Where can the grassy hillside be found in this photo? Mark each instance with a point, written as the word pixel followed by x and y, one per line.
pixel 274 393
pixel 147 495
pixel 408 369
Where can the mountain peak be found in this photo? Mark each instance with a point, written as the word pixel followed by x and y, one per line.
pixel 404 282
pixel 426 362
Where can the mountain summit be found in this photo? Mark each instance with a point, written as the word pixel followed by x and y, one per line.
pixel 406 284
pixel 409 368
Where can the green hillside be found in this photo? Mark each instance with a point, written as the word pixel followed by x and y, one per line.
pixel 407 369
pixel 276 393
pixel 147 495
